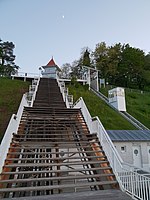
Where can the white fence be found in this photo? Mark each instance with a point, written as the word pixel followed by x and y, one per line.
pixel 15 121
pixel 133 183
pixel 68 99
pixel 12 128
pixel 25 74
pixel 35 85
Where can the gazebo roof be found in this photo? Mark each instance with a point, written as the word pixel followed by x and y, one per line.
pixel 51 63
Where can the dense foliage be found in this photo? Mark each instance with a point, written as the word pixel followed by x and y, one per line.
pixel 7 59
pixel 120 65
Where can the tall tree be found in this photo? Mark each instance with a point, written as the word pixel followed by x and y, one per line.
pixel 0 56
pixel 147 62
pixel 114 58
pixel 131 65
pixel 100 58
pixel 146 72
pixel 76 69
pixel 66 70
pixel 7 58
pixel 85 57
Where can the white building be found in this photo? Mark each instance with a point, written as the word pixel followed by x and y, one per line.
pixel 116 98
pixel 50 70
pixel 133 146
pixel 91 75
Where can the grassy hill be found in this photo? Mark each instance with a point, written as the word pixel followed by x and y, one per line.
pixel 110 119
pixel 11 92
pixel 137 103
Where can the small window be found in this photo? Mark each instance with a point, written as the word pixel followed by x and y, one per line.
pixel 123 149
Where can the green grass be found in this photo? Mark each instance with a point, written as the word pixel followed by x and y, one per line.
pixel 109 118
pixel 137 103
pixel 11 92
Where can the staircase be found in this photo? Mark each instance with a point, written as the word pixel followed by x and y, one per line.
pixel 53 152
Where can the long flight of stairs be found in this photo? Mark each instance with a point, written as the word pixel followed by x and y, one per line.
pixel 53 151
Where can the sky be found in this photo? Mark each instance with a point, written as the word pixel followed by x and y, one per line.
pixel 41 29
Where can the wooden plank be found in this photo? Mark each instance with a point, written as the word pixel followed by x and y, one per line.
pixel 53 142
pixel 12 165
pixel 51 187
pixel 43 146
pixel 43 153
pixel 55 178
pixel 81 170
pixel 63 158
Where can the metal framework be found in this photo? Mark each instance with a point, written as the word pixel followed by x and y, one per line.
pixel 53 151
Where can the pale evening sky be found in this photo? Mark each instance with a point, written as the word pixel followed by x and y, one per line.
pixel 41 29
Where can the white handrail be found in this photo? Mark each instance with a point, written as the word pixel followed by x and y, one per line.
pixel 130 181
pixel 62 90
pixel 13 125
pixel 35 91
pixel 11 128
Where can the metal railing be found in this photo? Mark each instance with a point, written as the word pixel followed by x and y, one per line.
pixel 134 121
pixel 68 99
pixel 126 115
pixel 11 128
pixel 32 91
pixel 25 74
pixel 130 181
pixel 15 120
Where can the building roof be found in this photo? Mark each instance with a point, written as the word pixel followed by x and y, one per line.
pixel 129 135
pixel 51 63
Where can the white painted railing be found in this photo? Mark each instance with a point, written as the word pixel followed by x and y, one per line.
pixel 25 74
pixel 87 117
pixel 15 121
pixel 12 128
pixel 68 99
pixel 35 85
pixel 133 183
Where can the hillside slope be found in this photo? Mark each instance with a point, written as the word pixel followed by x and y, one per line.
pixel 11 92
pixel 137 103
pixel 109 118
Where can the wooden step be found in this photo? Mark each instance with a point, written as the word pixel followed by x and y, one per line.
pixel 56 178
pixel 81 170
pixel 54 164
pixel 51 187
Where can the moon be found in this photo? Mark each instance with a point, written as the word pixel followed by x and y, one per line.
pixel 63 16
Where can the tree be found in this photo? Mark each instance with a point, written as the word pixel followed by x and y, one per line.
pixel 66 70
pixel 7 58
pixel 146 71
pixel 100 58
pixel 147 62
pixel 85 57
pixel 114 58
pixel 76 69
pixel 131 66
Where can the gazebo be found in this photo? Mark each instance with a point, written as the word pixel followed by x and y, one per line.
pixel 50 70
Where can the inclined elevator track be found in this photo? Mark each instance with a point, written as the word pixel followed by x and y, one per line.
pixel 53 151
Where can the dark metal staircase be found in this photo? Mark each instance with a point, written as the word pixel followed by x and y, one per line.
pixel 53 151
